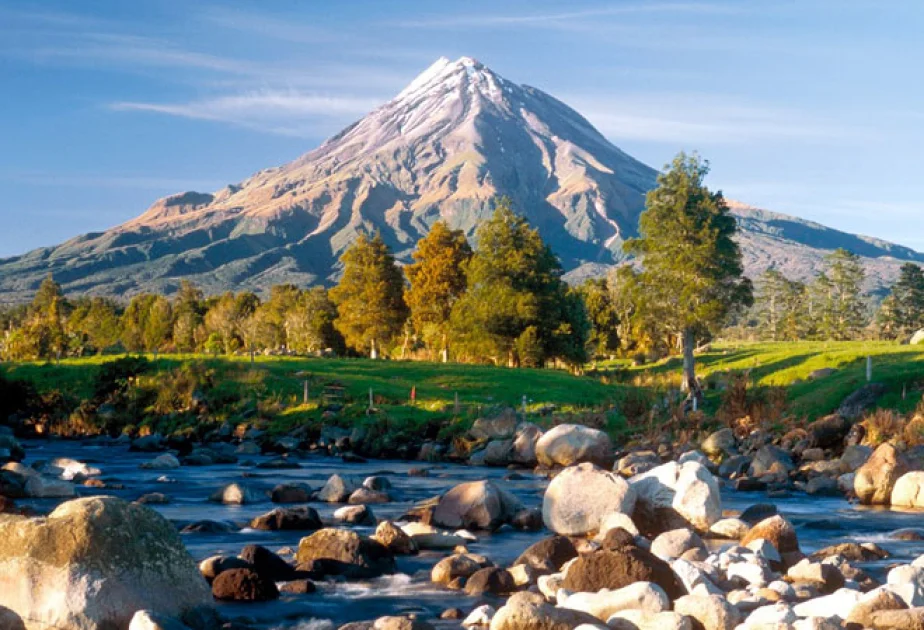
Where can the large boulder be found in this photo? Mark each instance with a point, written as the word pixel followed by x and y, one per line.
pixel 876 478
pixel 92 563
pixel 917 338
pixel 909 490
pixel 580 497
pixel 720 444
pixel 475 505
pixel 618 568
pixel 292 492
pixel 500 427
pixel 162 462
pixel 771 459
pixel 569 444
pixel 673 496
pixel 344 552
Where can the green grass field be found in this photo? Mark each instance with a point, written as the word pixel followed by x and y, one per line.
pixel 272 387
pixel 900 368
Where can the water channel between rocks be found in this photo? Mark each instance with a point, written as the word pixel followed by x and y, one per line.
pixel 819 522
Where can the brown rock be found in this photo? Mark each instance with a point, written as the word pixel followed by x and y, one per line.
pixel 548 555
pixel 490 580
pixel 291 519
pixel 243 585
pixel 618 568
pixel 876 478
pixel 882 599
pixel 777 531
pixel 394 539
pixel 909 619
pixel 346 553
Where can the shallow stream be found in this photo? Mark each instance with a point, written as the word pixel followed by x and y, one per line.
pixel 819 522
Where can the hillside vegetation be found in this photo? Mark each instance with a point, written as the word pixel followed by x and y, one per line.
pixel 196 393
pixel 790 364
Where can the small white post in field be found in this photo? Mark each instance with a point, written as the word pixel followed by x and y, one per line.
pixel 869 369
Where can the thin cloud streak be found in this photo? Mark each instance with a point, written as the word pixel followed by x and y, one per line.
pixel 285 113
pixel 551 20
pixel 111 181
pixel 706 120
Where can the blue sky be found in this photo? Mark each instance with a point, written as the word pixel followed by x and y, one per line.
pixel 810 108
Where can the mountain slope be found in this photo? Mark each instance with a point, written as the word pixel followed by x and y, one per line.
pixel 444 148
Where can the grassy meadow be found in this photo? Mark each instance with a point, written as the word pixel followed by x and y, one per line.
pixel 768 380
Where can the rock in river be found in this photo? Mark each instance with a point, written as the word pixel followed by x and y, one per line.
pixel 569 444
pixel 876 478
pixel 475 505
pixel 92 563
pixel 347 553
pixel 580 497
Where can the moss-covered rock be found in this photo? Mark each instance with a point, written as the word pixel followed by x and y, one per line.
pixel 92 563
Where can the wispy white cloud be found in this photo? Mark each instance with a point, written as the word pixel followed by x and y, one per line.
pixel 286 113
pixel 558 19
pixel 705 120
pixel 90 180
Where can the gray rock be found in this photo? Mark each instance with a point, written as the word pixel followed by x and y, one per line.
pixel 580 497
pixel 93 562
pixel 569 444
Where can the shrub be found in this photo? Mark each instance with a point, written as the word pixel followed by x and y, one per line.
pixel 882 426
pixel 115 376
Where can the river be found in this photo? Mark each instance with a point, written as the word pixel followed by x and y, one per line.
pixel 819 522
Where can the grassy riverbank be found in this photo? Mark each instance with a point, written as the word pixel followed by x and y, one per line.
pixel 769 381
pixel 789 365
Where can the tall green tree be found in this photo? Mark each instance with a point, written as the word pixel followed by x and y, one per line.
pixel 188 316
pixel 437 281
pixel 780 308
pixel 839 297
pixel 692 271
pixel 310 323
pixel 602 315
pixel 517 309
pixel 94 324
pixel 908 293
pixel 371 311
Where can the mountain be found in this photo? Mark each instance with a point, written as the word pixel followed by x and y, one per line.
pixel 444 148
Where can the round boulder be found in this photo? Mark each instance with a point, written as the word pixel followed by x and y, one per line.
pixel 475 505
pixel 580 497
pixel 909 490
pixel 569 444
pixel 618 568
pixel 133 557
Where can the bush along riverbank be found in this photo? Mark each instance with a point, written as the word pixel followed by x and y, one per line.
pixel 634 537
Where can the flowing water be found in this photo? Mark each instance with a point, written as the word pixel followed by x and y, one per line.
pixel 819 522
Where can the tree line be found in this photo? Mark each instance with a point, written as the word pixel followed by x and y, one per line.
pixel 834 306
pixel 503 301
